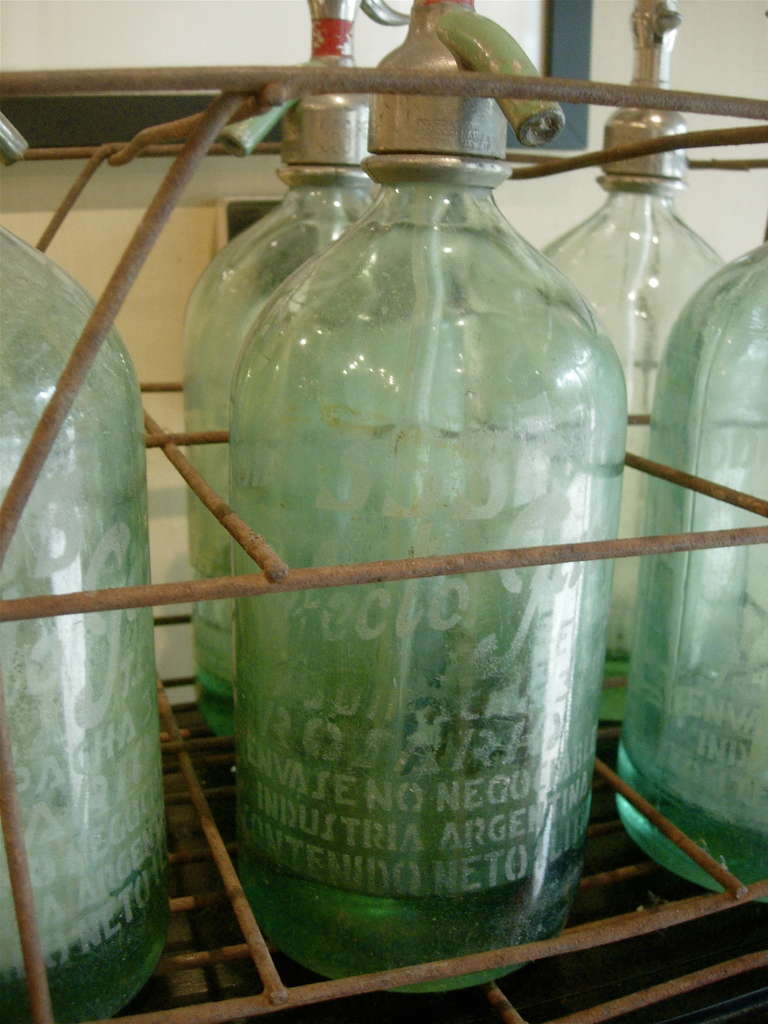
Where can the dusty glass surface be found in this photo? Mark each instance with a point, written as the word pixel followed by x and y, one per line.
pixel 415 757
pixel 226 300
pixel 80 689
pixel 637 263
pixel 695 739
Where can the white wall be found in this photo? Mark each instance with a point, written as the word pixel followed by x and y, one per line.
pixel 722 47
pixel 48 34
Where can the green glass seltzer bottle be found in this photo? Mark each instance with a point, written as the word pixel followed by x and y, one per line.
pixel 695 737
pixel 324 140
pixel 637 263
pixel 415 757
pixel 80 689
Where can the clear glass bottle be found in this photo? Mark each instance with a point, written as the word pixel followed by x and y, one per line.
pixel 695 737
pixel 324 141
pixel 415 757
pixel 80 689
pixel 637 263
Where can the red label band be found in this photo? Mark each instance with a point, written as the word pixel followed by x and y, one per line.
pixel 331 37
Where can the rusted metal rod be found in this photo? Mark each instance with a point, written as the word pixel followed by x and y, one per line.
pixel 697 483
pixel 586 936
pixel 96 160
pixel 255 585
pixel 500 1005
pixel 222 436
pixel 197 901
pixel 604 878
pixel 165 150
pixel 200 743
pixel 195 856
pixel 281 83
pixel 104 314
pixel 191 437
pixel 274 989
pixel 667 990
pixel 714 869
pixel 159 134
pixel 687 140
pixel 205 958
pixel 251 542
pixel 604 828
pixel 18 873
pixel 727 165
pixel 213 793
pixel 151 386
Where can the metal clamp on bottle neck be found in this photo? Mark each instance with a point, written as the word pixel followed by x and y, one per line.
pixel 328 129
pixel 320 130
pixel 654 30
pixel 447 36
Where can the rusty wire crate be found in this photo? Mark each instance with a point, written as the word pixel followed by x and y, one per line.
pixel 641 945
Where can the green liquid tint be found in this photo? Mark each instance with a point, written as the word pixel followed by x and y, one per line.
pixel 636 262
pixel 226 300
pixel 212 632
pixel 98 976
pixel 741 849
pixel 695 737
pixel 415 758
pixel 371 933
pixel 80 689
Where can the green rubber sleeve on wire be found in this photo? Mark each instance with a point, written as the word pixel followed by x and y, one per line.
pixel 479 44
pixel 242 137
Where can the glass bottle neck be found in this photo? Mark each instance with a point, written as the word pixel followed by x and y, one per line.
pixel 436 204
pixel 323 185
pixel 627 202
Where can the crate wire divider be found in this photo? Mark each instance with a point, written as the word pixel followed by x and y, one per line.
pixel 245 91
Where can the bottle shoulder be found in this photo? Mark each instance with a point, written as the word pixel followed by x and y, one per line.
pixel 405 306
pixel 43 313
pixel 725 321
pixel 714 375
pixel 243 275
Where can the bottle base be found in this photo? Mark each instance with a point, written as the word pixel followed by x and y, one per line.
pixel 339 933
pixel 216 702
pixel 737 848
pixel 99 981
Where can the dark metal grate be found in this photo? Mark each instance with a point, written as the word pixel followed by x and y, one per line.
pixel 675 959
pixel 637 935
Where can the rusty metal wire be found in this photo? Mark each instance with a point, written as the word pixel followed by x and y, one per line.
pixel 170 149
pixel 99 155
pixel 161 386
pixel 699 856
pixel 251 542
pixel 40 445
pixel 160 134
pixel 582 937
pixel 278 84
pixel 273 986
pixel 155 440
pixel 18 872
pixel 103 316
pixel 667 990
pixel 322 577
pixel 749 502
pixel 501 1006
pixel 727 165
pixel 686 140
